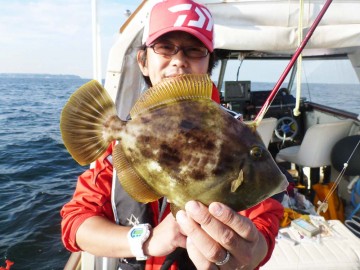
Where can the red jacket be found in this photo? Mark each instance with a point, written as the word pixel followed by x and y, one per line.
pixel 92 197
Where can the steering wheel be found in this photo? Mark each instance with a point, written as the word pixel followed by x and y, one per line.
pixel 286 128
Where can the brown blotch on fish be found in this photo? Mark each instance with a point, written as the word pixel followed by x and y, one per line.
pixel 145 120
pixel 198 174
pixel 186 124
pixel 226 160
pixel 169 156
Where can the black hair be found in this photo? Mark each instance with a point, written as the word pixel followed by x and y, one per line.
pixel 212 63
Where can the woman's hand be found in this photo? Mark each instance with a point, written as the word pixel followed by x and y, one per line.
pixel 165 238
pixel 214 231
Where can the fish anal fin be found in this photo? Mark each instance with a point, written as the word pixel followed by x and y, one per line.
pixel 183 87
pixel 130 180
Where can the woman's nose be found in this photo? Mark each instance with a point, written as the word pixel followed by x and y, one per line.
pixel 179 59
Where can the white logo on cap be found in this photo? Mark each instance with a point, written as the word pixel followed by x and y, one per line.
pixel 199 23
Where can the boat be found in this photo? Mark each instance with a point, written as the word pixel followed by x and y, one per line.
pixel 260 31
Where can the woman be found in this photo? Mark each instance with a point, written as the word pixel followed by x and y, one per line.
pixel 215 237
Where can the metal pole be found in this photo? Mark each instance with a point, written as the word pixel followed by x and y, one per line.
pixel 96 43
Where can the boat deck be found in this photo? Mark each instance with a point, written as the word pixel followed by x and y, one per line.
pixel 340 249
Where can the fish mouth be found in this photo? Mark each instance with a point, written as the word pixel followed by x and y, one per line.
pixel 284 184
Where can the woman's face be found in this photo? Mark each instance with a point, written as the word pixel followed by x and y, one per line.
pixel 158 67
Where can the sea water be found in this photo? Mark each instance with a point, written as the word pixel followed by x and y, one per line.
pixel 38 176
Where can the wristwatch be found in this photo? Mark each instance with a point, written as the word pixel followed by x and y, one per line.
pixel 136 237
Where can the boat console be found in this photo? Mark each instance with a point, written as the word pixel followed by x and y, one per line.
pixel 237 96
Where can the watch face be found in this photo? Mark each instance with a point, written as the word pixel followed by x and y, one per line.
pixel 137 232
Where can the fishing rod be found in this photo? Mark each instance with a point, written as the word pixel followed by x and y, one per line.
pixel 298 51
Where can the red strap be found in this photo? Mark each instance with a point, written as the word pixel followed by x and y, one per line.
pixel 215 96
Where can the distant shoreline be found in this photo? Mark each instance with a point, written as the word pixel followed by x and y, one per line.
pixel 39 76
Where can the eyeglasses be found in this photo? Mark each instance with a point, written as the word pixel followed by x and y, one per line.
pixel 169 49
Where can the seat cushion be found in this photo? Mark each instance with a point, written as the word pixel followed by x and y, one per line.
pixel 288 154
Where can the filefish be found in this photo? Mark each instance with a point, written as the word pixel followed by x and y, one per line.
pixel 178 144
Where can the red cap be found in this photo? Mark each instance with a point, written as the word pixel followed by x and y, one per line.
pixel 180 15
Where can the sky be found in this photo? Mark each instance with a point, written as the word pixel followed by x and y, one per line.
pixel 55 37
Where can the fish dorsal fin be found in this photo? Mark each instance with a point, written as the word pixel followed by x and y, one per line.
pixel 183 87
pixel 130 180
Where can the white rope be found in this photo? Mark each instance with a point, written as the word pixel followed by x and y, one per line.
pixel 299 61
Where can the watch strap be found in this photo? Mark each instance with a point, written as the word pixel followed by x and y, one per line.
pixel 136 237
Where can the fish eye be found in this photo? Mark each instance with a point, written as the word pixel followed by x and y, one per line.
pixel 256 152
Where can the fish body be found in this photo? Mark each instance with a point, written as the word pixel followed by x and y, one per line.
pixel 183 146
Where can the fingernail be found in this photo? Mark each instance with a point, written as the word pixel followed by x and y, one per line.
pixel 216 209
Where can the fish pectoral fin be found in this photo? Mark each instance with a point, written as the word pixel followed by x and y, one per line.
pixel 130 180
pixel 235 184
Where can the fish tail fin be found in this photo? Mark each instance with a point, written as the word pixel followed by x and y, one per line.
pixel 83 122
